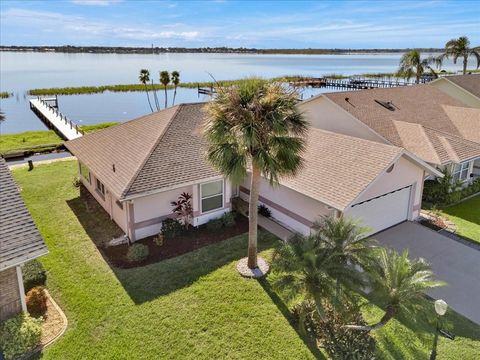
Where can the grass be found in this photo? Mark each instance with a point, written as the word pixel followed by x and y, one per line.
pixel 466 215
pixel 192 307
pixel 39 141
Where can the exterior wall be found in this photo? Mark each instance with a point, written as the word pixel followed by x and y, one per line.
pixel 290 208
pixel 10 299
pixel 323 114
pixel 456 92
pixel 404 173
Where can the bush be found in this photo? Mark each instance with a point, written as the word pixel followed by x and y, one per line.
pixel 228 219
pixel 36 300
pixel 76 182
pixel 215 224
pixel 33 275
pixel 172 228
pixel 339 342
pixel 19 335
pixel 264 211
pixel 137 252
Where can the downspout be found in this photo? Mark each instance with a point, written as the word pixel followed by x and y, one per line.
pixel 111 205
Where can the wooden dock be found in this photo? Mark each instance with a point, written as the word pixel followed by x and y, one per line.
pixel 353 83
pixel 54 119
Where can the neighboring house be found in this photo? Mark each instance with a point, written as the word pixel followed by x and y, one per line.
pixel 424 120
pixel 465 88
pixel 137 168
pixel 20 242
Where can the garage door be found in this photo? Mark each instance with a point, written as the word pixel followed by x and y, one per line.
pixel 383 211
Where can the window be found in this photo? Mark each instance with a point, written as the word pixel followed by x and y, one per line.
pixel 460 171
pixel 211 195
pixel 100 188
pixel 84 172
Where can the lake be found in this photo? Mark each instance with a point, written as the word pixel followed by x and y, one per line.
pixel 22 71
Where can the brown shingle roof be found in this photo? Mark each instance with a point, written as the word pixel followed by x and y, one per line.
pixel 424 105
pixel 150 153
pixel 470 82
pixel 20 240
pixel 339 167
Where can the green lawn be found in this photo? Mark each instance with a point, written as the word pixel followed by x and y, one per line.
pixel 466 216
pixel 191 307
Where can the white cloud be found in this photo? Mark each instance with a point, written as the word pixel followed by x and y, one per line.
pixel 95 2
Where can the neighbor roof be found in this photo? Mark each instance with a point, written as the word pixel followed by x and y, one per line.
pixel 20 240
pixel 469 82
pixel 425 120
pixel 150 153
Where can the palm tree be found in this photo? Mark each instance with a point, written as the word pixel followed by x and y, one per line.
pixel 144 78
pixel 255 124
pixel 398 284
pixel 460 48
pixel 412 64
pixel 165 80
pixel 175 82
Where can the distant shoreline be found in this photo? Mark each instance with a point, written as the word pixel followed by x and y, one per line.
pixel 204 50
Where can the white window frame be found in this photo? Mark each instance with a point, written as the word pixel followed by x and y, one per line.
pixel 463 166
pixel 100 189
pixel 211 196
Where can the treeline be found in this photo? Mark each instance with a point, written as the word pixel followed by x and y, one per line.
pixel 221 50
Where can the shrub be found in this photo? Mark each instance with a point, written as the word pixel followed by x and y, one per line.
pixel 19 335
pixel 76 182
pixel 228 219
pixel 171 228
pixel 159 239
pixel 36 300
pixel 215 224
pixel 33 275
pixel 137 252
pixel 339 342
pixel 264 211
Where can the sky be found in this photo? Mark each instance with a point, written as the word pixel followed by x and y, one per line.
pixel 258 24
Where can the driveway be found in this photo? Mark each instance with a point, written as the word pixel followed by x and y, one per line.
pixel 453 262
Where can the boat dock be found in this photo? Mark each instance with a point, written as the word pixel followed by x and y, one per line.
pixel 54 119
pixel 354 83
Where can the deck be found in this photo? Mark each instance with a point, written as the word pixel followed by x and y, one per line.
pixel 54 119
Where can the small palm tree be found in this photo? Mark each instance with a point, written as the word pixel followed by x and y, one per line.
pixel 411 64
pixel 398 284
pixel 175 82
pixel 255 124
pixel 144 78
pixel 165 80
pixel 460 48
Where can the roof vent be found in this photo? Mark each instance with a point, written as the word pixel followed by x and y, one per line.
pixel 386 104
pixel 113 167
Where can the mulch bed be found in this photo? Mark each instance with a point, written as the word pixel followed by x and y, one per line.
pixel 194 239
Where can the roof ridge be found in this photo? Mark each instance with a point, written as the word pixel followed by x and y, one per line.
pixel 152 149
pixel 452 135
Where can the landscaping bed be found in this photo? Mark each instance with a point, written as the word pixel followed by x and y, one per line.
pixel 192 239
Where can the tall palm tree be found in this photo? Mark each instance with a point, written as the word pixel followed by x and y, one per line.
pixel 175 82
pixel 460 48
pixel 144 78
pixel 255 124
pixel 398 283
pixel 412 64
pixel 165 80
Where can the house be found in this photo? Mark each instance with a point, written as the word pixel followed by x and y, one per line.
pixel 20 242
pixel 137 168
pixel 422 119
pixel 465 88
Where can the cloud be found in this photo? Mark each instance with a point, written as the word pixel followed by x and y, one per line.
pixel 95 2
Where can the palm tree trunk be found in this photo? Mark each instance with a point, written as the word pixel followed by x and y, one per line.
pixel 155 97
pixel 148 97
pixel 465 61
pixel 389 314
pixel 174 95
pixel 253 217
pixel 166 97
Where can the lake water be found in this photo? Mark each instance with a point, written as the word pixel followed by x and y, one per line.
pixel 20 72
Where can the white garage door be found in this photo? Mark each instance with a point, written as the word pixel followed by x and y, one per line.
pixel 383 211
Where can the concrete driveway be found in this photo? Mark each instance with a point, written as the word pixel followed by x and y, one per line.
pixel 453 262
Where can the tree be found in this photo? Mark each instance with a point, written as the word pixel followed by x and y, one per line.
pixel 255 125
pixel 411 64
pixel 398 284
pixel 144 78
pixel 165 80
pixel 460 48
pixel 175 82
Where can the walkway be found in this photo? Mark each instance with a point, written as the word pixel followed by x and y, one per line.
pixel 451 261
